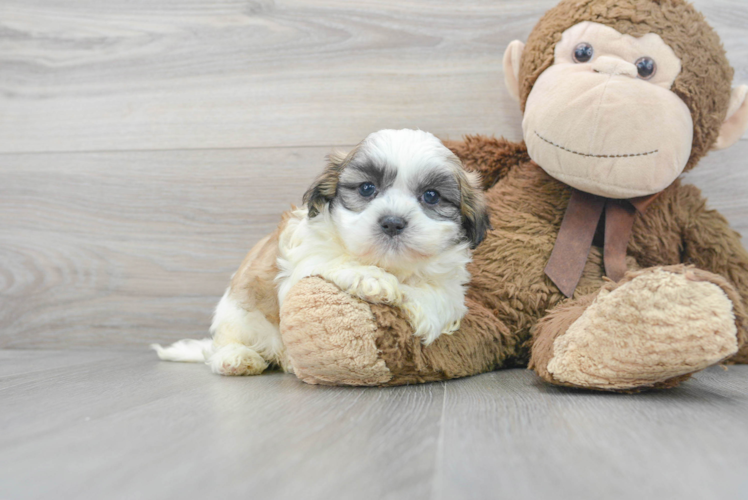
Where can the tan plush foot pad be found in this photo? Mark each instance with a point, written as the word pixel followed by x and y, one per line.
pixel 659 324
pixel 329 336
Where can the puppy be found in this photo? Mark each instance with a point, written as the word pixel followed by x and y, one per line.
pixel 392 222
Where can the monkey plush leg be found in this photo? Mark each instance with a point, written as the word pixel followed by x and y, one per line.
pixel 653 329
pixel 332 338
pixel 710 244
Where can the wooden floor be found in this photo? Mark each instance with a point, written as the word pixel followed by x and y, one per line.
pixel 145 145
pixel 93 425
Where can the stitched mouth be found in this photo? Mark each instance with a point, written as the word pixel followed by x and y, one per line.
pixel 632 155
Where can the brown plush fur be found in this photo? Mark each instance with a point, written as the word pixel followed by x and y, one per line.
pixel 491 158
pixel 480 346
pixel 704 82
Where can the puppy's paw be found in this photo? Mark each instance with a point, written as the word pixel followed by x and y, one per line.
pixel 378 287
pixel 428 327
pixel 236 359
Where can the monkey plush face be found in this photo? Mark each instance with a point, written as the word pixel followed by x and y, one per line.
pixel 602 118
pixel 621 96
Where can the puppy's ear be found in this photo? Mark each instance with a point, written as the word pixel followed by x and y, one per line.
pixel 325 187
pixel 475 219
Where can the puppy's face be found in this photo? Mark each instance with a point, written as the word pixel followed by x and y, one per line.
pixel 400 197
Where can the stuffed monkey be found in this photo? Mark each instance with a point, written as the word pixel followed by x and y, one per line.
pixel 602 270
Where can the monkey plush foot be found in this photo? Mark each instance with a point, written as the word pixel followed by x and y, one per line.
pixel 653 329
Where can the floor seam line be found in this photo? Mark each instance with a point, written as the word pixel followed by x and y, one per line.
pixel 439 445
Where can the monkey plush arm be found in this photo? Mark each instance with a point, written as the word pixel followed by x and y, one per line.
pixel 492 158
pixel 332 338
pixel 710 244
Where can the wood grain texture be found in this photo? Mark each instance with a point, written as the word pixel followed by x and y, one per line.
pixel 171 74
pixel 540 441
pixel 124 425
pixel 149 429
pixel 126 248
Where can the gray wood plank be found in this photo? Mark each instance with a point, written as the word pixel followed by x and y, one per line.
pixel 135 427
pixel 18 364
pixel 123 75
pixel 124 425
pixel 125 248
pixel 507 435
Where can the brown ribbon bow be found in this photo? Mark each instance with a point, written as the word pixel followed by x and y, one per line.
pixel 577 231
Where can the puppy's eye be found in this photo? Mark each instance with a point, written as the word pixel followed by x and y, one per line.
pixel 431 197
pixel 583 53
pixel 646 67
pixel 367 189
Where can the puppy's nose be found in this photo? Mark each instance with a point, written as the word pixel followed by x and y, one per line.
pixel 392 225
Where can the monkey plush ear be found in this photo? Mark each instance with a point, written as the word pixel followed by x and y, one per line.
pixel 512 57
pixel 736 122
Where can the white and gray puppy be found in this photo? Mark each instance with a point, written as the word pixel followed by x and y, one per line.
pixel 391 222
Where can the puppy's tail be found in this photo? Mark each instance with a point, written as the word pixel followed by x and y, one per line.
pixel 185 351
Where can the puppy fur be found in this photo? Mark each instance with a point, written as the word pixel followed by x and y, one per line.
pixel 343 235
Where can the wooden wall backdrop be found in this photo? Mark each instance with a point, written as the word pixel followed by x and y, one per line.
pixel 145 145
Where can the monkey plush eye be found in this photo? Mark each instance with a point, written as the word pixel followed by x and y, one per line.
pixel 646 67
pixel 431 197
pixel 367 189
pixel 583 53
